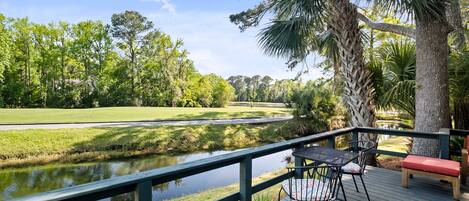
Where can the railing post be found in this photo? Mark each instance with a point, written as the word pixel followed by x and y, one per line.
pixel 245 179
pixel 143 191
pixel 355 139
pixel 331 141
pixel 299 162
pixel 444 143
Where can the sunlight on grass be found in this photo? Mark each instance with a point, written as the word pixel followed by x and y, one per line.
pixel 40 146
pixel 397 144
pixel 21 116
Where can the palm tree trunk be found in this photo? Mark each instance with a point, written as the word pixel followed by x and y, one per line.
pixel 358 90
pixel 431 95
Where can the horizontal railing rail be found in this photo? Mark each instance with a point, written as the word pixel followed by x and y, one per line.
pixel 142 183
pixel 459 132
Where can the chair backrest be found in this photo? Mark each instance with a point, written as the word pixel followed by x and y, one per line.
pixel 364 149
pixel 315 183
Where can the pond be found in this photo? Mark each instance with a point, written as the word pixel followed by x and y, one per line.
pixel 391 124
pixel 25 181
pixel 19 182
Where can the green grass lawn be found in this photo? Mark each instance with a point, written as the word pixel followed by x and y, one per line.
pixel 42 146
pixel 397 144
pixel 24 116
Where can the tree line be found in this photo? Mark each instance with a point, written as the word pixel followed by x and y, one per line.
pixel 263 88
pixel 92 64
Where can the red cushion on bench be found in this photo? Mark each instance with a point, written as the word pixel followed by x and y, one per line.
pixel 433 165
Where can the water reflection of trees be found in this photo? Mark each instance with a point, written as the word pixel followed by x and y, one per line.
pixel 29 181
pixel 21 182
pixel 26 181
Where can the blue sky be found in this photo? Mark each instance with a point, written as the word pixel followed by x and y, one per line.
pixel 215 44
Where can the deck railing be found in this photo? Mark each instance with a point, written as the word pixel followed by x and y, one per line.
pixel 142 183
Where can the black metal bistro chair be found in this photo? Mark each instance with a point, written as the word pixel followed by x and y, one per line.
pixel 364 149
pixel 314 183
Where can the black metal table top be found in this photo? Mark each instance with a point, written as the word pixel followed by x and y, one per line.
pixel 326 155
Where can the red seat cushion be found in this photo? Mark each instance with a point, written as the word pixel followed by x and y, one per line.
pixel 433 165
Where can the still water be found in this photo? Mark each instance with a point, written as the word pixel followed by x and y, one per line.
pixel 25 181
pixel 19 182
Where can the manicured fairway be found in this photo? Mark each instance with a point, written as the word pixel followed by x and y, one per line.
pixel 25 116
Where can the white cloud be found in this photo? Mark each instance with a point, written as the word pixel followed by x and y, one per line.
pixel 166 5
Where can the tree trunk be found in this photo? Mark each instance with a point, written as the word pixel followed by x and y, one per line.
pixel 358 90
pixel 453 14
pixel 432 95
pixel 461 113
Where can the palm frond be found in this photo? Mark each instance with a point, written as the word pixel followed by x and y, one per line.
pixel 310 10
pixel 398 71
pixel 419 8
pixel 286 38
pixel 292 33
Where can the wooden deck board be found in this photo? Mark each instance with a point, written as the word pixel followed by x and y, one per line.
pixel 385 185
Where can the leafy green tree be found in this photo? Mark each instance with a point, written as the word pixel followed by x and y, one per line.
pixel 82 65
pixel 240 86
pixel 222 92
pixel 5 49
pixel 92 47
pixel 264 88
pixel 21 77
pixel 129 27
pixel 314 106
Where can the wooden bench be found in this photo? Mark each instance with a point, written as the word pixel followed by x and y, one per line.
pixel 442 169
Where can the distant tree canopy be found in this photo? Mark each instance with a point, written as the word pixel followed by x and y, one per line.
pixel 91 64
pixel 262 89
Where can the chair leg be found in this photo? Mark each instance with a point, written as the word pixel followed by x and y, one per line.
pixel 367 196
pixel 354 182
pixel 280 191
pixel 456 188
pixel 405 177
pixel 343 190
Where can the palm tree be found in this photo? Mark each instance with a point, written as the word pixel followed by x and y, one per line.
pixel 459 88
pixel 398 76
pixel 330 26
pixel 297 22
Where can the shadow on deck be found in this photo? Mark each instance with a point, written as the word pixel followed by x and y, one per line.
pixel 383 184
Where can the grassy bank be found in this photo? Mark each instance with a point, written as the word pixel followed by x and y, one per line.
pixel 23 116
pixel 38 146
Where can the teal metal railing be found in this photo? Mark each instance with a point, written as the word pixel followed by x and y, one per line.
pixel 142 183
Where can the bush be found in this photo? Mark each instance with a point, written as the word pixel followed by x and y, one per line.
pixel 315 106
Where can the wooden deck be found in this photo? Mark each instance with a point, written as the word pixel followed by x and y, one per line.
pixel 383 184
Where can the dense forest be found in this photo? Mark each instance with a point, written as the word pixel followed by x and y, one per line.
pixel 92 64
